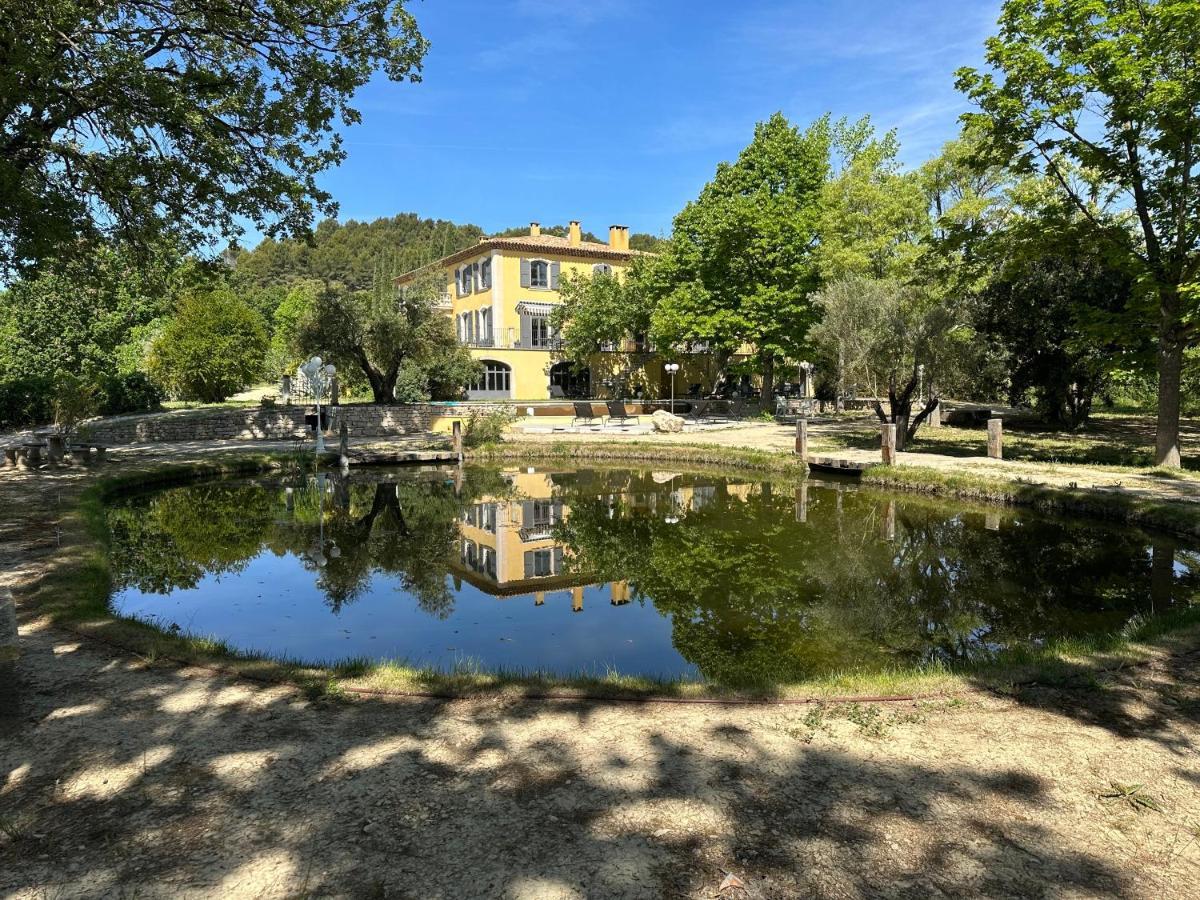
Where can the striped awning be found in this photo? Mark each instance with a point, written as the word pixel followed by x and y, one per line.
pixel 534 308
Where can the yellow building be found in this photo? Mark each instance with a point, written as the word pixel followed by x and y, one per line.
pixel 500 294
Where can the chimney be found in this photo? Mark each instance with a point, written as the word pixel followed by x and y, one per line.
pixel 575 235
pixel 534 229
pixel 618 237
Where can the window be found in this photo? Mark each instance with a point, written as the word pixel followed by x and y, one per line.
pixel 485 275
pixel 601 269
pixel 539 331
pixel 462 279
pixel 539 273
pixel 540 563
pixel 485 325
pixel 496 379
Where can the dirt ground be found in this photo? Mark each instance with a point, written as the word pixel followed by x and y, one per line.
pixel 124 777
pixel 774 438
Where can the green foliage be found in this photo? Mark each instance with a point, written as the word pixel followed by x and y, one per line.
pixel 212 347
pixel 1102 96
pixel 74 401
pixel 25 400
pixel 873 215
pixel 740 266
pixel 90 318
pixel 1057 305
pixel 354 254
pixel 209 113
pixel 487 427
pixel 283 353
pixel 383 335
pixel 601 308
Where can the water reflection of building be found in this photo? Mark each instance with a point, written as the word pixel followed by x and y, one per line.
pixel 507 546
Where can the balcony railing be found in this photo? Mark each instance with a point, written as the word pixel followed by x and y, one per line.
pixel 510 339
pixel 444 301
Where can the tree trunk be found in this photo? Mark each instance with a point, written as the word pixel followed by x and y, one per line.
pixel 1170 366
pixel 767 395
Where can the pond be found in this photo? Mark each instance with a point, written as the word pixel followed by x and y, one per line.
pixel 725 577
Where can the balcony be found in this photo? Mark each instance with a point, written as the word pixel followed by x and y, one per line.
pixel 444 301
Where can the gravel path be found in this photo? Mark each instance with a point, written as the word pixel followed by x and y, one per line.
pixel 120 777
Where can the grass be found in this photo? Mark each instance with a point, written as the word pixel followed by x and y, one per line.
pixel 75 594
pixel 1132 795
pixel 1108 440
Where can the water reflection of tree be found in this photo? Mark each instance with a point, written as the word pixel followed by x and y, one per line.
pixel 755 596
pixel 171 539
pixel 405 528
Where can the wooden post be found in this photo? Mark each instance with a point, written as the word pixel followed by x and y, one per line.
pixel 802 502
pixel 889 521
pixel 458 439
pixel 996 438
pixel 334 391
pixel 802 439
pixel 888 443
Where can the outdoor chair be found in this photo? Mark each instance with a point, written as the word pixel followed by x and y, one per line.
pixel 700 411
pixel 618 412
pixel 584 414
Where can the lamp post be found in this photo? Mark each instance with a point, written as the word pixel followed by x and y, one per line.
pixel 672 368
pixel 319 376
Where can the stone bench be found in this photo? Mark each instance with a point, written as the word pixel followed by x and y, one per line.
pixel 23 455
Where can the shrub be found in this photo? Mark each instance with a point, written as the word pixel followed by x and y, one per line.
pixel 212 347
pixel 488 427
pixel 26 400
pixel 128 392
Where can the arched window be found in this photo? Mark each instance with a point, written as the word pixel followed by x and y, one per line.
pixel 539 273
pixel 495 381
pixel 570 382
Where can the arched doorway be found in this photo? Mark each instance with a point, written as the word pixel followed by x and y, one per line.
pixel 572 382
pixel 494 383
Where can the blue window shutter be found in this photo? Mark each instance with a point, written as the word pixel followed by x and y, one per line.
pixel 528 563
pixel 474 276
pixel 525 279
pixel 526 330
pixel 554 276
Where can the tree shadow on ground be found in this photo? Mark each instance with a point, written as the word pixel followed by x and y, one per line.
pixel 1158 701
pixel 119 778
pixel 1109 441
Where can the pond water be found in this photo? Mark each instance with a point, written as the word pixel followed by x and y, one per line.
pixel 728 578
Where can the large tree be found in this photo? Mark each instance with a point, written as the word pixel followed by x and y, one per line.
pixel 740 266
pixel 136 118
pixel 1111 87
pixel 391 338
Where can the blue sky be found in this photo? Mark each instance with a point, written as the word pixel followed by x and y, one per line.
pixel 617 111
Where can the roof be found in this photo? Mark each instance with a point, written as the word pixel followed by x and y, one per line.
pixel 542 243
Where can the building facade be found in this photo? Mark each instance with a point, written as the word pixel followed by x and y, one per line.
pixel 500 294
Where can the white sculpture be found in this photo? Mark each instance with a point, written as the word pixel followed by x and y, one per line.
pixel 319 375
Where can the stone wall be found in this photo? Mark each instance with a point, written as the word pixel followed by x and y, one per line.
pixel 278 423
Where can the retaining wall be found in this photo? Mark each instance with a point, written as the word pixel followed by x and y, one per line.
pixel 277 423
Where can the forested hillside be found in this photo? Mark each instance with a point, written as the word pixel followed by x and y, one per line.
pixel 352 253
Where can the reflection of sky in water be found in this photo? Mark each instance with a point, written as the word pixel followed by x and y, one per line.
pixel 273 607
